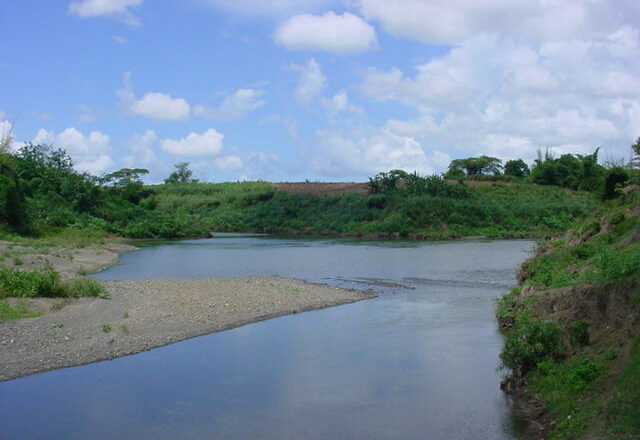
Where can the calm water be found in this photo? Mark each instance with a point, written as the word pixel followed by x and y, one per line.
pixel 418 362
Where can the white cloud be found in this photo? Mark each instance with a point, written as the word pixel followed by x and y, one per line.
pixel 331 32
pixel 118 39
pixel 454 21
pixel 368 151
pixel 118 9
pixel 311 81
pixel 161 107
pixel 234 106
pixel 495 95
pixel 195 145
pixel 228 163
pixel 90 153
pixel 6 131
pixel 154 105
pixel 339 103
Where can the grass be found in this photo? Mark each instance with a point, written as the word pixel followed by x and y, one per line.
pixel 106 328
pixel 556 357
pixel 46 282
pixel 514 211
pixel 568 389
pixel 623 410
pixel 19 311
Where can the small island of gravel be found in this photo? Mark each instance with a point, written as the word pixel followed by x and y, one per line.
pixel 145 314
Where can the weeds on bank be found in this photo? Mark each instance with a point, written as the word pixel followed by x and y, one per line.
pixel 623 411
pixel 46 282
pixel 19 311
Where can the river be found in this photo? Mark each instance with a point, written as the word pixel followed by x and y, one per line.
pixel 420 361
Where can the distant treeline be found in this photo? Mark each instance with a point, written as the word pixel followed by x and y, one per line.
pixel 41 192
pixel 574 171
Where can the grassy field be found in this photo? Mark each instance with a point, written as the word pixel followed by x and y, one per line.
pixel 501 210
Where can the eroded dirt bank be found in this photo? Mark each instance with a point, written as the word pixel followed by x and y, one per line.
pixel 145 314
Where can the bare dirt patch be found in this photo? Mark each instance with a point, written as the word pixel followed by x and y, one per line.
pixel 323 188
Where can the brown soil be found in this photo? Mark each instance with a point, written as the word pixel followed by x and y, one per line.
pixel 323 188
pixel 150 313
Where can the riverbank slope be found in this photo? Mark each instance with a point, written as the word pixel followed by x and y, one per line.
pixel 573 329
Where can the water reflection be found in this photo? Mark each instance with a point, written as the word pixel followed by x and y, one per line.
pixel 415 363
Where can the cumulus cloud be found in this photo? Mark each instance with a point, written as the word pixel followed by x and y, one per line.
pixel 118 9
pixel 496 95
pixel 154 105
pixel 342 34
pixel 209 143
pixel 368 151
pixel 234 106
pixel 311 81
pixel 339 103
pixel 161 107
pixel 453 21
pixel 90 153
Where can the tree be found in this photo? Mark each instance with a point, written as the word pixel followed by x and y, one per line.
pixel 635 162
pixel 125 177
pixel 474 166
pixel 517 168
pixel 182 174
pixel 570 171
pixel 127 182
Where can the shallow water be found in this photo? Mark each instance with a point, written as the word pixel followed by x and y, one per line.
pixel 418 362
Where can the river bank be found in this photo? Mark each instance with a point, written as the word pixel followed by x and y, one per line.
pixel 145 314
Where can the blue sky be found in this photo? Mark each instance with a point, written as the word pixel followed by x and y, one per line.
pixel 338 90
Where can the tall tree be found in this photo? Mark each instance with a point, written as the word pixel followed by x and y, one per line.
pixel 182 174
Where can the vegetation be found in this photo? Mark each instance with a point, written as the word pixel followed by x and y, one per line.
pixel 45 282
pixel 564 336
pixel 18 311
pixel 182 174
pixel 471 166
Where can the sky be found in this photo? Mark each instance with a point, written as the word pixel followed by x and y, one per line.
pixel 324 90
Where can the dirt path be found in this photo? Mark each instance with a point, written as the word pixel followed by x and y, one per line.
pixel 150 313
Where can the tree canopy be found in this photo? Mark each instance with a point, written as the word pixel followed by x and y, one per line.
pixel 474 166
pixel 182 174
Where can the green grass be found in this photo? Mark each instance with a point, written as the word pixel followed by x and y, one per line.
pixel 503 211
pixel 19 311
pixel 623 410
pixel 556 358
pixel 46 282
pixel 596 251
pixel 568 392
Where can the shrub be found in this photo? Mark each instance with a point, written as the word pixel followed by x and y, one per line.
pixel 579 332
pixel 26 284
pixel 84 287
pixel 530 343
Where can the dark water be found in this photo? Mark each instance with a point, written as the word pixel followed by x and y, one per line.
pixel 418 362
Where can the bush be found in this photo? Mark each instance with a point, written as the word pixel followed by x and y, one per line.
pixel 579 332
pixel 530 343
pixel 26 284
pixel 84 287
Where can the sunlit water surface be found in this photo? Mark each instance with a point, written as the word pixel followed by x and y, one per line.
pixel 418 362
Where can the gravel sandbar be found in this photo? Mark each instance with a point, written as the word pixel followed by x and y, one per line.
pixel 145 314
